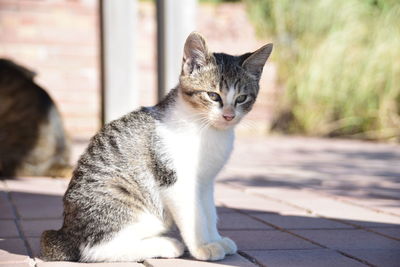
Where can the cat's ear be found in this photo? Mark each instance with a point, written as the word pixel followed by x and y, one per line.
pixel 254 62
pixel 195 53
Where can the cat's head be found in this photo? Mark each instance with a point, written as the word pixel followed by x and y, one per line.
pixel 221 88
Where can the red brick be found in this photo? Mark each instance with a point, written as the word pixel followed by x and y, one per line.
pixel 302 258
pixel 6 211
pixel 265 240
pixel 8 228
pixel 349 239
pixel 233 260
pixel 237 221
pixel 32 206
pixel 300 221
pixel 34 228
pixel 376 256
pixel 12 250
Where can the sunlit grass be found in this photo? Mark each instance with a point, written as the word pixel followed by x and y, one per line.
pixel 340 63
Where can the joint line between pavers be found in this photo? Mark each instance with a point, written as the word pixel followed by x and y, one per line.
pixel 17 223
pixel 360 227
pixel 365 207
pixel 315 213
pixel 302 237
pixel 276 227
pixel 336 198
pixel 242 189
pixel 355 258
pixel 250 258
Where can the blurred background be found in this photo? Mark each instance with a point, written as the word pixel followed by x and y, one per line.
pixel 334 71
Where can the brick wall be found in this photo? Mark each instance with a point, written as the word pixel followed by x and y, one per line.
pixel 59 40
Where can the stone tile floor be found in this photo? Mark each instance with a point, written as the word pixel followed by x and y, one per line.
pixel 285 201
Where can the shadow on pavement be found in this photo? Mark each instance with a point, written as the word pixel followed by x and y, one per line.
pixel 252 230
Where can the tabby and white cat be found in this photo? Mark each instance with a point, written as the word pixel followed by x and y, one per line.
pixel 156 166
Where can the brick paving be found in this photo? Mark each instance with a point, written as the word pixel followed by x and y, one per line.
pixel 285 201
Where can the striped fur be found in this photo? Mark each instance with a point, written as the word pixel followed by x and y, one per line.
pixel 156 166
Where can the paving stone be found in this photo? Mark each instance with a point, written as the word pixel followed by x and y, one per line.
pixel 36 185
pixel 393 232
pixel 267 239
pixel 34 244
pixel 8 229
pixel 12 250
pixel 64 183
pixel 19 264
pixel 34 228
pixel 349 239
pixel 302 258
pixel 235 198
pixel 326 206
pixel 223 191
pixel 2 186
pixel 300 222
pixel 221 210
pixel 232 260
pixel 6 211
pixel 41 208
pixel 78 264
pixel 384 205
pixel 377 257
pixel 367 224
pixel 229 221
pixel 253 204
pixel 37 205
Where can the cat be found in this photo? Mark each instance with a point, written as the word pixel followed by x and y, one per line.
pixel 156 166
pixel 32 138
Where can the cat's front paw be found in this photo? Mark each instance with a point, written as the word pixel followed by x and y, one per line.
pixel 229 245
pixel 171 248
pixel 209 252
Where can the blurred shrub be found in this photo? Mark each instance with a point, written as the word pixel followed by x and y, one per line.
pixel 340 63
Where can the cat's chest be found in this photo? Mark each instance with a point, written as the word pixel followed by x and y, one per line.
pixel 196 153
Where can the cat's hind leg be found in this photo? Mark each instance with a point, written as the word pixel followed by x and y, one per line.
pixel 135 242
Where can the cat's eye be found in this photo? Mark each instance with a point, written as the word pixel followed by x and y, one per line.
pixel 240 99
pixel 214 96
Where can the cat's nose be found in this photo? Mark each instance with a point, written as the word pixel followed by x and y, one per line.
pixel 228 117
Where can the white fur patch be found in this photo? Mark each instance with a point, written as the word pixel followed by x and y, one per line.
pixel 230 97
pixel 198 154
pixel 196 151
pixel 127 244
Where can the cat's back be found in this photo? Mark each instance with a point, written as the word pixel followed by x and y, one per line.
pixel 119 148
pixel 114 174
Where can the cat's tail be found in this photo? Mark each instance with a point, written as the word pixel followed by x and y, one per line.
pixel 55 247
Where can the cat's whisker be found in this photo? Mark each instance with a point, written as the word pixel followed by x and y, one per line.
pixel 204 125
pixel 194 118
pixel 248 123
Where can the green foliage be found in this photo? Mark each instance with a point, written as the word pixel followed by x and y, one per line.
pixel 340 63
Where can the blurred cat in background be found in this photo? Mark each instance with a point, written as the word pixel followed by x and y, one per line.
pixel 32 138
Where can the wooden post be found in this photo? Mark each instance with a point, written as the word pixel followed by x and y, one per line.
pixel 175 21
pixel 120 93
